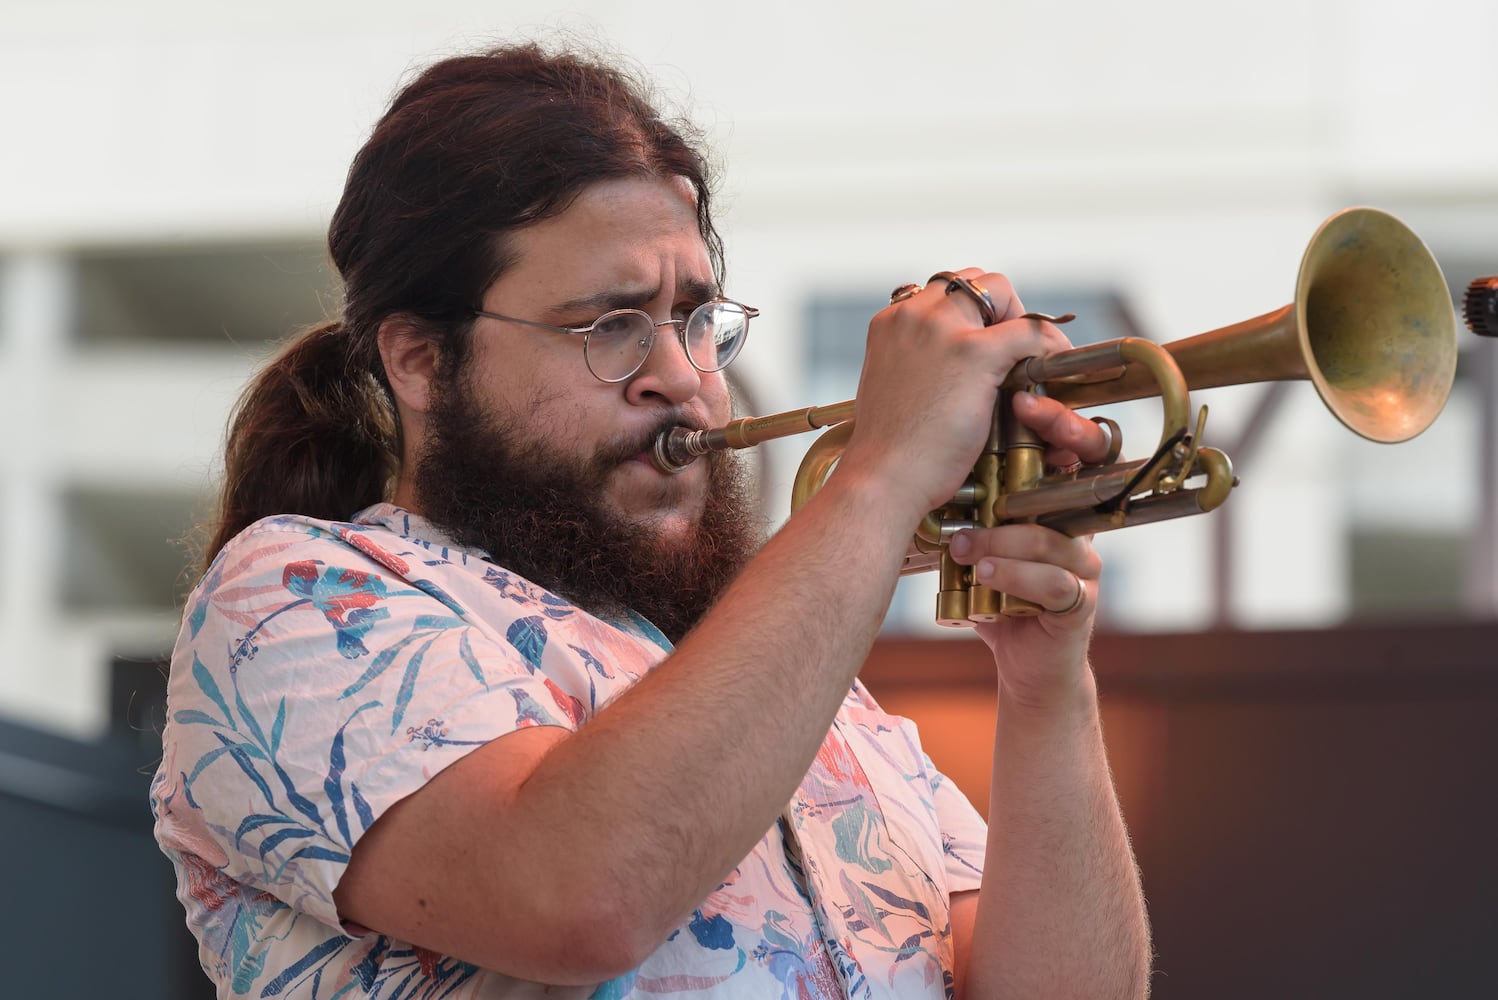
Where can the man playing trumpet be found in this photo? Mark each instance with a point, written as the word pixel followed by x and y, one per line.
pixel 474 701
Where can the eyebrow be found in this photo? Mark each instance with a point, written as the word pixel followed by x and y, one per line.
pixel 625 298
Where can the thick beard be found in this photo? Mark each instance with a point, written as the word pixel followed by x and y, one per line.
pixel 543 517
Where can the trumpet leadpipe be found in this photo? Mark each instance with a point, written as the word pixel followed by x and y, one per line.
pixel 679 447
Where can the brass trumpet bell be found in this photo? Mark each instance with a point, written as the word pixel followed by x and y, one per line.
pixel 1372 327
pixel 1374 317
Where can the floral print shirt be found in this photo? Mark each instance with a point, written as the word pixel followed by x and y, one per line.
pixel 327 670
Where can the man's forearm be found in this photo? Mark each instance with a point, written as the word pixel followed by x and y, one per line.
pixel 686 771
pixel 627 824
pixel 1061 912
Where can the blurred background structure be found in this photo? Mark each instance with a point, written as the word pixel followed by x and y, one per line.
pixel 167 175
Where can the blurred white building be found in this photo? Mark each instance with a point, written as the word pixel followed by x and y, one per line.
pixel 169 169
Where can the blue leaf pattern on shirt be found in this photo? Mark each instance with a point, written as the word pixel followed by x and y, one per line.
pixel 528 636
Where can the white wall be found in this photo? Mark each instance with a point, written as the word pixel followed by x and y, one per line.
pixel 1183 152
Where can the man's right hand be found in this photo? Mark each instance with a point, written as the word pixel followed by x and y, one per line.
pixel 931 376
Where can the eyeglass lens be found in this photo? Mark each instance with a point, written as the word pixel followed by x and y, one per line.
pixel 620 341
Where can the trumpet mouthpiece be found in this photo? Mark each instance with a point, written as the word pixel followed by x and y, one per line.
pixel 1480 308
pixel 676 449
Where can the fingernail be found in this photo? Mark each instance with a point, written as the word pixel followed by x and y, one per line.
pixel 960 544
pixel 984 570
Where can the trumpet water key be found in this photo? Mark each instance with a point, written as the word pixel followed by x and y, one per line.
pixel 1372 326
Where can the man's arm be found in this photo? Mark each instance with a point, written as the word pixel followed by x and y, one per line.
pixel 1061 913
pixel 568 857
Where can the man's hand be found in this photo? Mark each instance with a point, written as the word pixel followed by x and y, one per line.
pixel 930 377
pixel 1041 659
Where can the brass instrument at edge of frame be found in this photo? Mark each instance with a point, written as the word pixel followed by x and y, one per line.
pixel 1372 326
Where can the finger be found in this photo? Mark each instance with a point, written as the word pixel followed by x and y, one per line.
pixel 986 295
pixel 1029 543
pixel 1050 334
pixel 1001 296
pixel 1008 339
pixel 1057 590
pixel 1071 436
pixel 1033 563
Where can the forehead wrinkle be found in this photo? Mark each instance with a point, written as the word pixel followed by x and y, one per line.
pixel 693 289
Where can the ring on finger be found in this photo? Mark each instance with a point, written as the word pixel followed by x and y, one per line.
pixel 1076 601
pixel 974 291
pixel 903 292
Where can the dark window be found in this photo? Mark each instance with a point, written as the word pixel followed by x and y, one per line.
pixel 209 294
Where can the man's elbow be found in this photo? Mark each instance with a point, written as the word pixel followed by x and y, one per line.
pixel 590 940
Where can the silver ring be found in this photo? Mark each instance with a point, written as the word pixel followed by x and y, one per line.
pixel 904 292
pixel 974 291
pixel 1076 602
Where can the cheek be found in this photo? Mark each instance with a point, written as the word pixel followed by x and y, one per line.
pixel 719 399
pixel 532 390
pixel 574 424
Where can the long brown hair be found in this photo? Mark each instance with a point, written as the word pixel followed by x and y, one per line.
pixel 474 148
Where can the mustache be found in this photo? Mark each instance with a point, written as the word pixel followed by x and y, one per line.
pixel 625 446
pixel 543 513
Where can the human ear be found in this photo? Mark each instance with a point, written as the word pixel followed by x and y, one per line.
pixel 410 360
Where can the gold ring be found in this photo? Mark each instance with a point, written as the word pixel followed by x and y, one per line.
pixel 1076 602
pixel 904 292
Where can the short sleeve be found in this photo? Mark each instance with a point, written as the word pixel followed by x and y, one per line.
pixel 321 677
pixel 938 815
pixel 964 834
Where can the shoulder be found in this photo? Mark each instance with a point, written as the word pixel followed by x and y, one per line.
pixel 295 552
pixel 286 534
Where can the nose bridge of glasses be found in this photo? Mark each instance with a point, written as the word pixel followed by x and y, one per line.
pixel 697 335
pixel 679 327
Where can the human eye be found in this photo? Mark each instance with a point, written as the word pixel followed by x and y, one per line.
pixel 719 321
pixel 620 323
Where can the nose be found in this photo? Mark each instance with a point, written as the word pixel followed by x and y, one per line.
pixel 667 373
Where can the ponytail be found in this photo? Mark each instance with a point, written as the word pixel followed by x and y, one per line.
pixel 314 434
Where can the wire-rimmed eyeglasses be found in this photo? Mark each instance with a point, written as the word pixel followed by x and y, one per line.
pixel 616 344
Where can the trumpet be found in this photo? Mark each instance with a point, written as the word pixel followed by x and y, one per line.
pixel 1372 327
